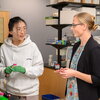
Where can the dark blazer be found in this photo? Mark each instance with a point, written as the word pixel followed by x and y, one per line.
pixel 89 63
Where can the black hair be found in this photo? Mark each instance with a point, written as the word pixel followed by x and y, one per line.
pixel 13 21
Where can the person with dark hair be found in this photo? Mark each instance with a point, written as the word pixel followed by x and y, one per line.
pixel 21 62
pixel 83 73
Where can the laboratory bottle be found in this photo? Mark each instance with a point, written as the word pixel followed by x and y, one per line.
pixel 64 37
pixel 50 60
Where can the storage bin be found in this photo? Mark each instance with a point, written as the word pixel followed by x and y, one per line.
pixel 50 97
pixel 95 1
pixel 51 20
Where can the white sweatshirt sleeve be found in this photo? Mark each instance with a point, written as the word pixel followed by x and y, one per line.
pixel 2 65
pixel 37 67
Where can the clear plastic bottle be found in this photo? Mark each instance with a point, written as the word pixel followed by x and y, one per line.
pixel 64 37
pixel 50 60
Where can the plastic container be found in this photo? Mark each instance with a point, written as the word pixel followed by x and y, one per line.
pixel 57 66
pixel 50 97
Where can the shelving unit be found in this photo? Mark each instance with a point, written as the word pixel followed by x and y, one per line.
pixel 59 26
pixel 73 4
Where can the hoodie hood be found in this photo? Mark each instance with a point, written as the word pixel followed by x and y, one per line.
pixel 27 40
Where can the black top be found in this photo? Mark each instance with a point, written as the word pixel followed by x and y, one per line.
pixel 89 63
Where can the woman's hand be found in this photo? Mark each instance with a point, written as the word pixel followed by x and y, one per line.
pixel 66 72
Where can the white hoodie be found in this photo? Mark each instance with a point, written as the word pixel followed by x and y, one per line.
pixel 27 55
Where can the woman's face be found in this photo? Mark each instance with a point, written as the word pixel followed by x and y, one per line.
pixel 77 28
pixel 19 31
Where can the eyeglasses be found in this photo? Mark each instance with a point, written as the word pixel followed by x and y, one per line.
pixel 73 25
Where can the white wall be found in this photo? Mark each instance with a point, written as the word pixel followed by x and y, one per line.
pixel 33 12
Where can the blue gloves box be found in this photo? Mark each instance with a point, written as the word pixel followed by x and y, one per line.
pixel 50 97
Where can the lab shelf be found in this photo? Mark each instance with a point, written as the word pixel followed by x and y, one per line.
pixel 59 26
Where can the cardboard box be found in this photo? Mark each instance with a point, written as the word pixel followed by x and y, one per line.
pixel 77 1
pixel 53 1
pixel 65 0
pixel 69 0
pixel 87 1
pixel 95 1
